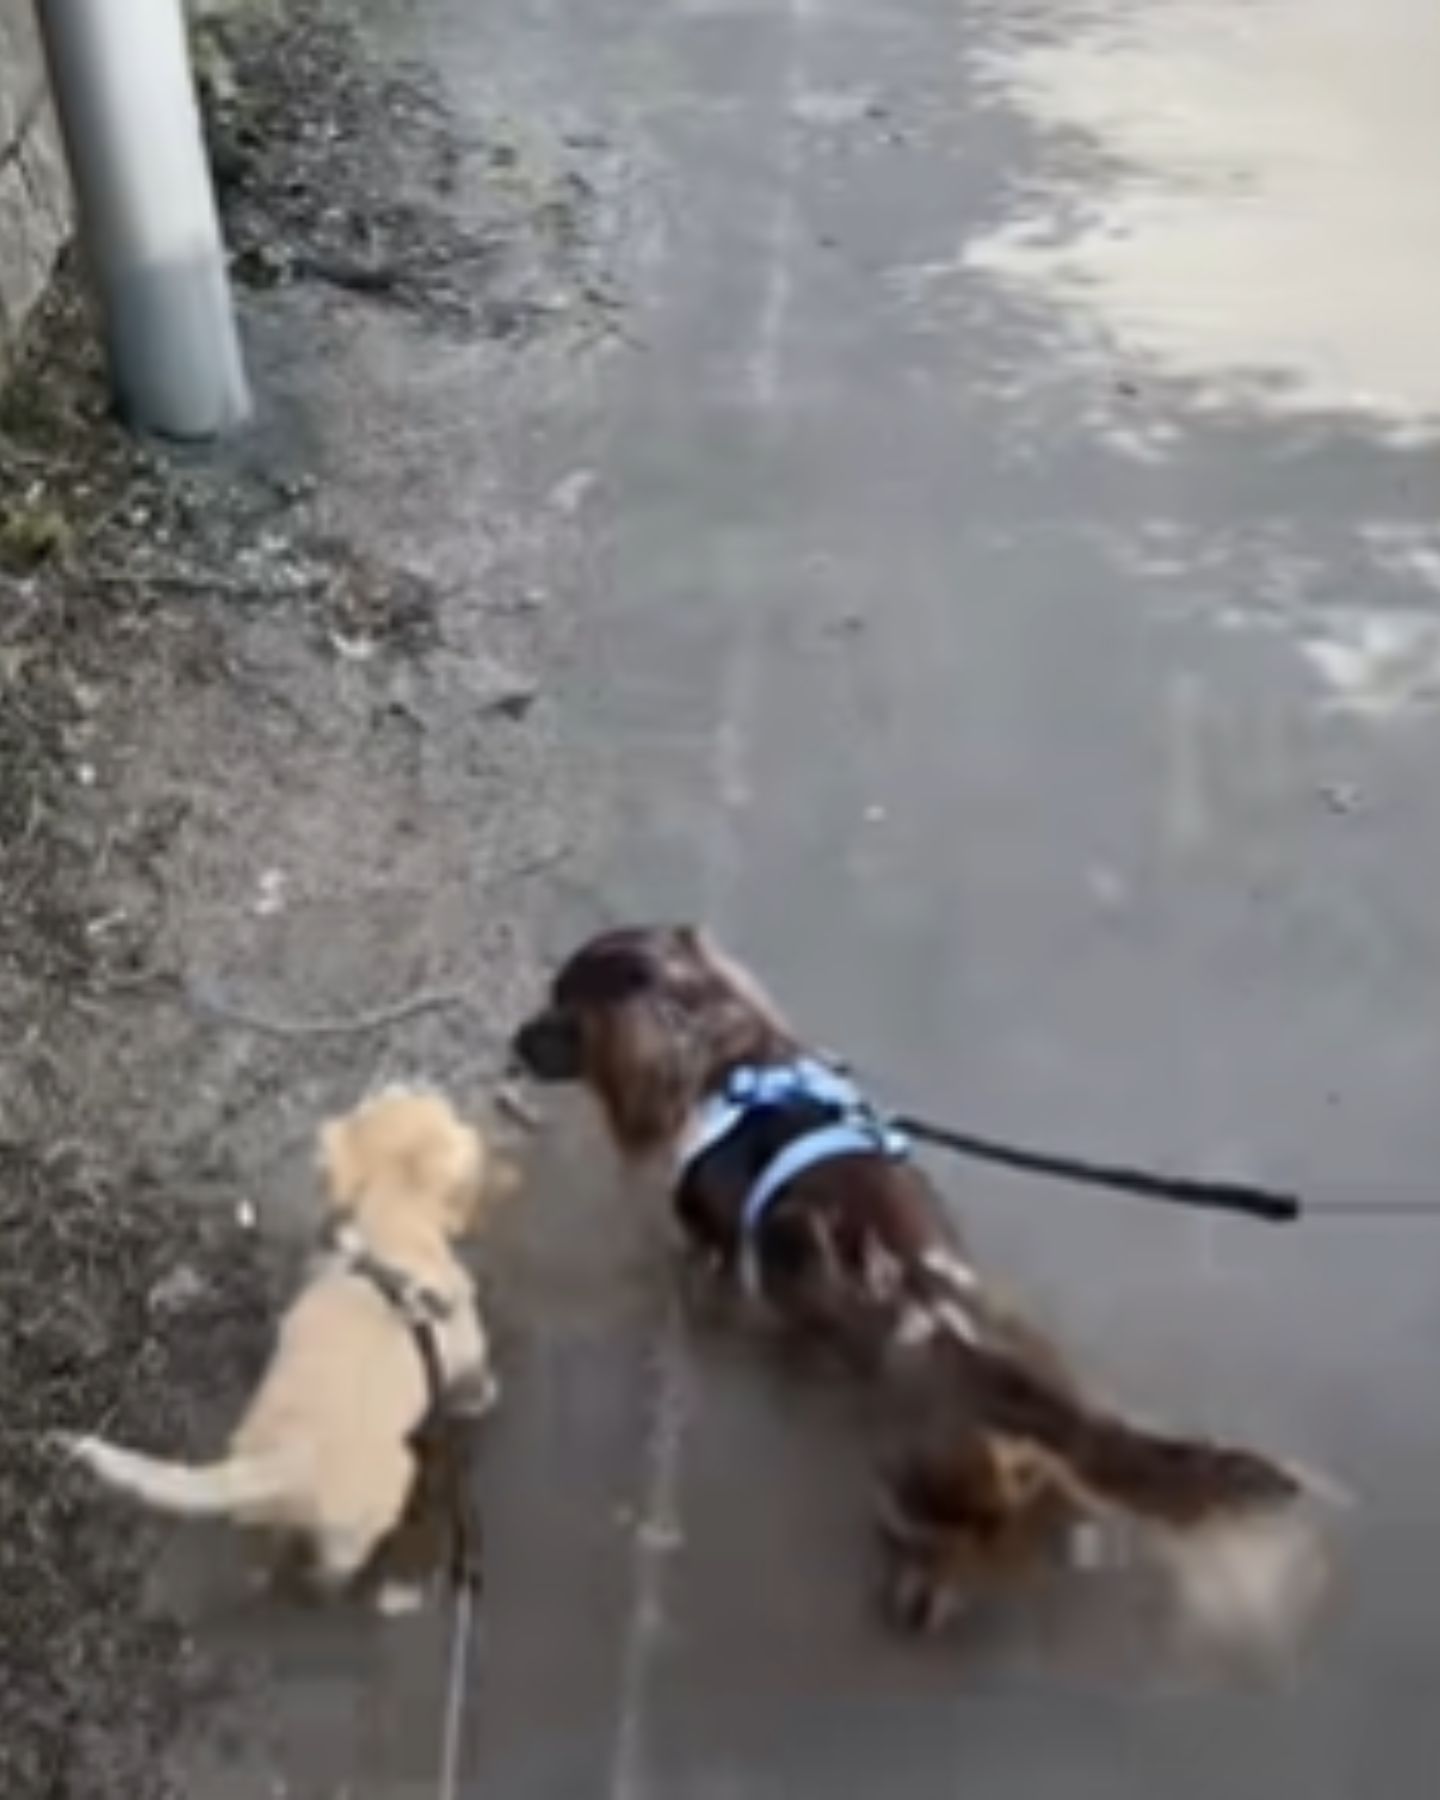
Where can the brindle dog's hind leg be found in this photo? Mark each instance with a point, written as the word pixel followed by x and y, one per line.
pixel 819 1305
pixel 982 1517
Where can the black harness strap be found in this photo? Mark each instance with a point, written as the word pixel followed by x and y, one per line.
pixel 445 1440
pixel 420 1309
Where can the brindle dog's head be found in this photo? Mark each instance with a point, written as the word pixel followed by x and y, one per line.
pixel 650 1018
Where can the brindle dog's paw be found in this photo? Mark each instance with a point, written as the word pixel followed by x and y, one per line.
pixel 707 1288
pixel 919 1601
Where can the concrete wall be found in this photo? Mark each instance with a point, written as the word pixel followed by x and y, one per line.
pixel 34 195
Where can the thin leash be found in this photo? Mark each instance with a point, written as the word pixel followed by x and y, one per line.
pixel 462 1629
pixel 1372 1209
pixel 466 1579
pixel 422 1312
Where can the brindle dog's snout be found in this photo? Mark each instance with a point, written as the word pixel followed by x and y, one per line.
pixel 547 1047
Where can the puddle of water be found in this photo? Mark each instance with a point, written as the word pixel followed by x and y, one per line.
pixel 1260 213
pixel 1377 665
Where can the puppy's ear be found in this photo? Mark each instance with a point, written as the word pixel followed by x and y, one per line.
pixel 642 1069
pixel 493 1181
pixel 503 1181
pixel 339 1169
pixel 462 1172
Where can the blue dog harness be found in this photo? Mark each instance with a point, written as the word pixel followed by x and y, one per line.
pixel 855 1128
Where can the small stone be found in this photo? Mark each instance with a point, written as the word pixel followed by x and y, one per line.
pixel 515 704
pixel 177 1290
pixel 660 1537
pixel 570 493
pixel 352 649
pixel 849 624
pixel 515 1104
pixel 1108 887
pixel 270 894
pixel 245 1215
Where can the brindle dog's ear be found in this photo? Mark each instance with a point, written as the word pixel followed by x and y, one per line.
pixel 605 977
pixel 740 984
pixel 643 1070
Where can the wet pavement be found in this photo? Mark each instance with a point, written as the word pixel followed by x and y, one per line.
pixel 1053 726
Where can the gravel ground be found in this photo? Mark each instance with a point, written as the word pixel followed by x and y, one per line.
pixel 274 786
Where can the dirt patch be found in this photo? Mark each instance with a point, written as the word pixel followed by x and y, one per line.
pixel 271 793
pixel 116 1310
pixel 131 584
pixel 288 102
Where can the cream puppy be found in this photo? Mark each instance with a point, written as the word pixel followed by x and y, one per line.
pixel 324 1449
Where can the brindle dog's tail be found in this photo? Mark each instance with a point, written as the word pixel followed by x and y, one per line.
pixel 1110 1462
pixel 1228 1523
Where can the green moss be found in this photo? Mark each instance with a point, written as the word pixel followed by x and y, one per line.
pixel 32 533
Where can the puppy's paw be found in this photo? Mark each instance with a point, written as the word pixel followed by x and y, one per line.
pixel 504 1179
pixel 396 1599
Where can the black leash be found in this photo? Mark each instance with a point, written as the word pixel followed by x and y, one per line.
pixel 1272 1205
pixel 419 1309
pixel 1254 1202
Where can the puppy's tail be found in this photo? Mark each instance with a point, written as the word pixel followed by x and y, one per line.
pixel 231 1486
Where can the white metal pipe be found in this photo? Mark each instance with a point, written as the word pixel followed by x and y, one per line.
pixel 120 70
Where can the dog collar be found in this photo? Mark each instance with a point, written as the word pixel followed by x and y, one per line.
pixel 854 1128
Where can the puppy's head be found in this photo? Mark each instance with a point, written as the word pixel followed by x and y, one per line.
pixel 647 1016
pixel 407 1147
